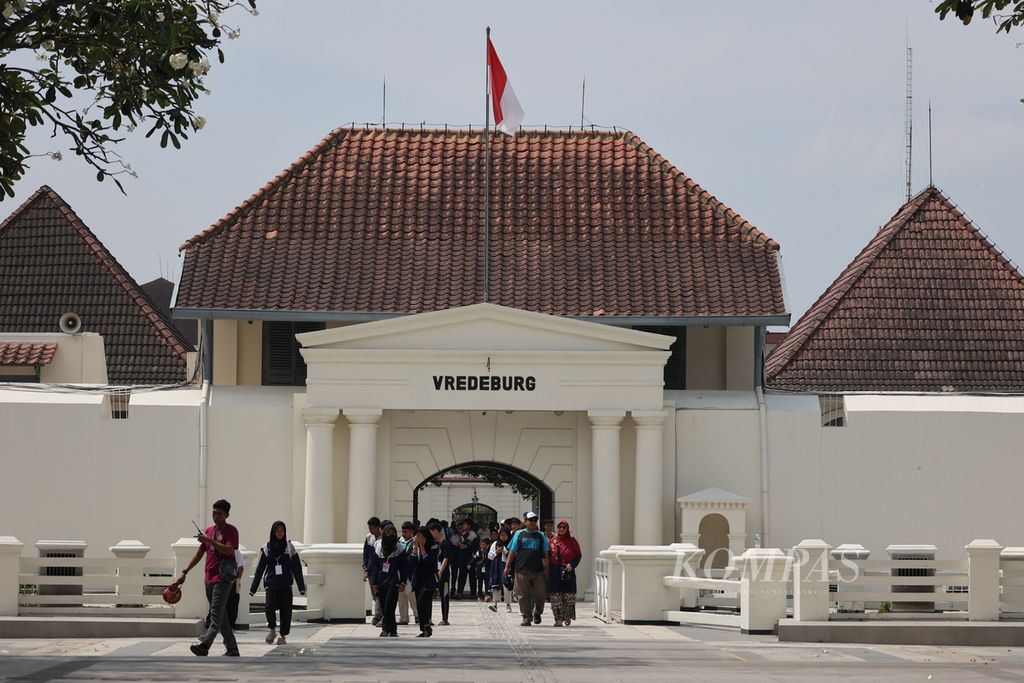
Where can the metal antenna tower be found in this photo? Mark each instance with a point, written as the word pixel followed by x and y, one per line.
pixel 908 117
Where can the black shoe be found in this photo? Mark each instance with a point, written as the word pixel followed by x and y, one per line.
pixel 445 623
pixel 425 634
pixel 384 634
pixel 198 650
pixel 231 653
pixel 536 618
pixel 392 635
pixel 526 622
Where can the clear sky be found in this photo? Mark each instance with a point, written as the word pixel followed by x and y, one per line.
pixel 789 112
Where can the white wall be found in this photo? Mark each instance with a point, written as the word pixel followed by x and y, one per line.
pixel 72 472
pixel 907 469
pixel 912 469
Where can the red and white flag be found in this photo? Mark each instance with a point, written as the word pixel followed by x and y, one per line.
pixel 507 112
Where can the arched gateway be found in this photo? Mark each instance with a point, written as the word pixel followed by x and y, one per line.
pixel 422 393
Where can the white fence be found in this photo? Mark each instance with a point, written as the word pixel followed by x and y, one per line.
pixel 810 583
pixel 59 581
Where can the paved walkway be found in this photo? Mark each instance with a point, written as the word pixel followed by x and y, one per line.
pixel 484 646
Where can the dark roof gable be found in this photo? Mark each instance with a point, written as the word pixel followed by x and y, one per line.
pixel 930 304
pixel 583 224
pixel 51 263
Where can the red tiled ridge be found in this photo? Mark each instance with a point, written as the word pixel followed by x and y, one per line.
pixel 51 263
pixel 27 353
pixel 582 223
pixel 930 305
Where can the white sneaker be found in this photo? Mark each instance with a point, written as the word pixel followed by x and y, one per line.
pixel 269 640
pixel 281 640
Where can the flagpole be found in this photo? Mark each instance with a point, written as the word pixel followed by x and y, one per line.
pixel 487 169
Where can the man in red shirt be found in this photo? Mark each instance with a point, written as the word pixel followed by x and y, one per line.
pixel 218 543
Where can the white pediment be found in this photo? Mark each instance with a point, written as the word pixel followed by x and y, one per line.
pixel 484 327
pixel 485 357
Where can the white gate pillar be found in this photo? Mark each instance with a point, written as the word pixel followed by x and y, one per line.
pixel 362 469
pixel 318 517
pixel 650 427
pixel 606 518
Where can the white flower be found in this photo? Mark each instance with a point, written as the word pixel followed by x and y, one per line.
pixel 40 57
pixel 255 12
pixel 8 11
pixel 47 45
pixel 234 33
pixel 200 67
pixel 178 60
pixel 200 122
pixel 159 16
pixel 56 156
pixel 214 18
pixel 130 127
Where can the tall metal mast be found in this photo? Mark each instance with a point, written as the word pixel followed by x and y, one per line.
pixel 909 116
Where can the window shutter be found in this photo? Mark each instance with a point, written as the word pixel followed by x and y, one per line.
pixel 675 366
pixel 282 361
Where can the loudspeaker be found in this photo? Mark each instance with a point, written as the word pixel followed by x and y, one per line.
pixel 70 323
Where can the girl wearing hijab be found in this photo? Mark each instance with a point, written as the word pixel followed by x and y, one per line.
pixel 498 555
pixel 423 573
pixel 389 572
pixel 565 557
pixel 278 566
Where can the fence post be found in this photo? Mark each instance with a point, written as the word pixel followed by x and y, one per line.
pixel 340 596
pixel 193 603
pixel 10 567
pixel 810 580
pixel 846 554
pixel 924 554
pixel 130 555
pixel 983 579
pixel 762 589
pixel 244 619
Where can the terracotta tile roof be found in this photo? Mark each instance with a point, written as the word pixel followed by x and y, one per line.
pixel 929 305
pixel 26 353
pixel 51 263
pixel 583 224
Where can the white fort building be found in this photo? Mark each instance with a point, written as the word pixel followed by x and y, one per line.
pixel 606 342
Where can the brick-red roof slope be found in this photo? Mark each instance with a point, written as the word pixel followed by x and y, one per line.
pixel 27 353
pixel 929 305
pixel 583 224
pixel 51 263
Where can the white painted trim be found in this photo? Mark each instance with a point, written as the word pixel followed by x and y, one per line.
pixel 485 311
pixel 420 356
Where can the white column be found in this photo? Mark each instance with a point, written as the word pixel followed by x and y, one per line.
pixel 130 556
pixel 605 475
pixel 10 567
pixel 811 580
pixel 983 579
pixel 318 513
pixel 362 469
pixel 647 509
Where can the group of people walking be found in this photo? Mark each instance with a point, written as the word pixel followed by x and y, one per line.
pixel 406 569
pixel 515 560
